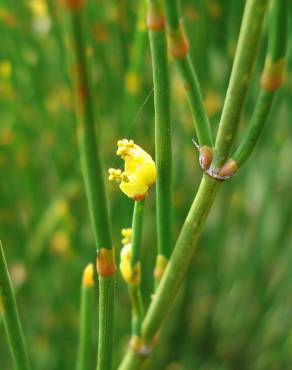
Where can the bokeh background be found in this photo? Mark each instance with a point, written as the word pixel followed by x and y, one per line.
pixel 234 311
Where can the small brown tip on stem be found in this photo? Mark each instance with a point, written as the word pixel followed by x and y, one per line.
pixel 105 262
pixel 178 43
pixel 228 169
pixel 87 278
pixel 272 76
pixel 206 156
pixel 72 5
pixel 160 266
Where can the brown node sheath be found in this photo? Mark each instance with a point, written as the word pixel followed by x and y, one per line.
pixel 72 5
pixel 178 43
pixel 272 76
pixel 228 169
pixel 105 262
pixel 155 19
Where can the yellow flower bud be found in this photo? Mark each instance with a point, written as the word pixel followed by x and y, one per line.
pixel 131 275
pixel 140 170
pixel 127 236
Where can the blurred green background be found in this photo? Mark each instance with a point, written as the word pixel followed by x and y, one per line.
pixel 234 310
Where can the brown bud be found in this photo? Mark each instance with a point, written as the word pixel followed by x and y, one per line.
pixel 206 156
pixel 228 169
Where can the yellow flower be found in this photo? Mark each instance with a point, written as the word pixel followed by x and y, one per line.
pixel 140 170
pixel 131 274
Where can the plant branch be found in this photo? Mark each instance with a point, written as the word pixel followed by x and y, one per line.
pixel 95 189
pixel 271 79
pixel 86 320
pixel 179 49
pixel 12 324
pixel 241 72
pixel 163 150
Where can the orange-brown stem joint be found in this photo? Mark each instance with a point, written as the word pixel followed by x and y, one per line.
pixel 178 43
pixel 105 262
pixel 155 18
pixel 272 76
pixel 72 5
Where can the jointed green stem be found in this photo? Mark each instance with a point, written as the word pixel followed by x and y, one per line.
pixel 135 289
pixel 258 119
pixel 184 63
pixel 163 150
pixel 271 79
pixel 176 268
pixel 181 257
pixel 137 227
pixel 86 326
pixel 244 59
pixel 189 235
pixel 12 323
pixel 202 125
pixel 278 24
pixel 137 309
pixel 106 322
pixel 134 71
pixel 96 196
pixel 89 148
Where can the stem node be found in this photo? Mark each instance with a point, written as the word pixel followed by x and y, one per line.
pixel 271 79
pixel 105 262
pixel 178 43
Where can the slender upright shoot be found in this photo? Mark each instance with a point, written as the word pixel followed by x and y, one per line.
pixel 163 151
pixel 239 80
pixel 94 185
pixel 86 320
pixel 271 79
pixel 12 324
pixel 179 50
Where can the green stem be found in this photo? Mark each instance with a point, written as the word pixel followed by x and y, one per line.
pixel 163 151
pixel 137 227
pixel 12 324
pixel 89 148
pixel 134 71
pixel 258 120
pixel 86 321
pixel 242 67
pixel 176 269
pixel 271 79
pixel 137 309
pixel 96 195
pixel 195 99
pixel 106 322
pixel 180 53
pixel 135 289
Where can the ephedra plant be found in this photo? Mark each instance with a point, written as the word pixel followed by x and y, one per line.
pixel 220 159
